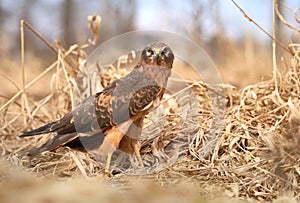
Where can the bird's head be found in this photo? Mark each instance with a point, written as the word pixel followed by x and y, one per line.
pixel 158 54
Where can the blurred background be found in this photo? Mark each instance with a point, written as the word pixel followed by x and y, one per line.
pixel 241 52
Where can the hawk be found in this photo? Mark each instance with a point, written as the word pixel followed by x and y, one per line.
pixel 113 118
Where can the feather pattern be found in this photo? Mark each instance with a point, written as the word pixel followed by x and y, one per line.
pixel 128 98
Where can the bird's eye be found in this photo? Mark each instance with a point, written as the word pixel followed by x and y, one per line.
pixel 165 52
pixel 149 52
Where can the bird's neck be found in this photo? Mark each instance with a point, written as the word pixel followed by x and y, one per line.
pixel 158 73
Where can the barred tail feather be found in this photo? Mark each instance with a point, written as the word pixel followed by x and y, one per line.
pixel 41 130
pixel 53 144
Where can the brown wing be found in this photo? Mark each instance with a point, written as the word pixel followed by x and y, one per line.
pixel 132 94
pixel 81 119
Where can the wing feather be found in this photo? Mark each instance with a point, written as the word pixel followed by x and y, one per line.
pixel 121 100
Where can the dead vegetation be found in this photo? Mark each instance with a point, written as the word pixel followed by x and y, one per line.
pixel 256 156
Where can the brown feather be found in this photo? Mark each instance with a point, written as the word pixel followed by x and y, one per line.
pixel 124 102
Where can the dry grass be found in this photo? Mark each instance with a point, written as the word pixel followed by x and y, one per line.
pixel 256 156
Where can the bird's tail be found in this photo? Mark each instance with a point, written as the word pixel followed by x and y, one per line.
pixel 53 144
pixel 41 130
pixel 71 140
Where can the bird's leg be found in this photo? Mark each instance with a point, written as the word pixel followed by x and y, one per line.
pixel 131 143
pixel 107 166
pixel 111 141
pixel 137 152
pixel 137 147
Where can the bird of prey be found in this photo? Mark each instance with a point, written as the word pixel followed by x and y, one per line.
pixel 113 118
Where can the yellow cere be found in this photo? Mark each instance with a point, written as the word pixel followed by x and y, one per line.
pixel 157 51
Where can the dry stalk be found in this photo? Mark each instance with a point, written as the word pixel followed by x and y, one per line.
pixel 261 28
pixel 255 157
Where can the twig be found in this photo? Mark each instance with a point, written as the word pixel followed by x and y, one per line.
pixel 281 18
pixel 10 80
pixel 278 177
pixel 27 86
pixel 22 52
pixel 297 19
pixel 262 29
pixel 23 101
pixel 44 40
pixel 61 62
pixel 35 80
pixel 274 39
pixel 38 35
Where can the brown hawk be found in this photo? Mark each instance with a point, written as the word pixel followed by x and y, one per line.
pixel 113 118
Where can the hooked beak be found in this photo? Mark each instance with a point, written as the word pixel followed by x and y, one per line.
pixel 157 54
